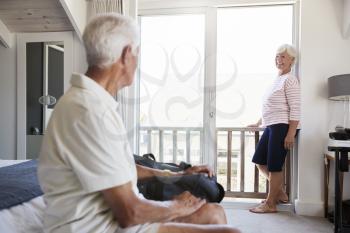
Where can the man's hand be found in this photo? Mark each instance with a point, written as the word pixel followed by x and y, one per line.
pixel 130 210
pixel 187 204
pixel 199 169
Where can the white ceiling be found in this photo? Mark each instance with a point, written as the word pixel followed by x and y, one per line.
pixel 34 16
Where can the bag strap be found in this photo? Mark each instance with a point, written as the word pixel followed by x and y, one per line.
pixel 151 161
pixel 149 156
pixel 184 165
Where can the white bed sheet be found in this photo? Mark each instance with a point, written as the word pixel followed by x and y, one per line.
pixel 24 218
pixel 4 162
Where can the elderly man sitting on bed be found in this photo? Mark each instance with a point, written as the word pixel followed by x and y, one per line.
pixel 86 168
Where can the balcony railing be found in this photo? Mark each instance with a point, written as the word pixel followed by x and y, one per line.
pixel 235 147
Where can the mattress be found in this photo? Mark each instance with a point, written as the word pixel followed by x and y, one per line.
pixel 23 218
pixel 4 163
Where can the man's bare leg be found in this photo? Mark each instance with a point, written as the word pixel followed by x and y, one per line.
pixel 210 218
pixel 195 228
pixel 211 213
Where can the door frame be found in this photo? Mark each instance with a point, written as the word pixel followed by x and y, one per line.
pixel 22 39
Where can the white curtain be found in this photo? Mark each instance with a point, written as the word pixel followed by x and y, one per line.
pixel 107 6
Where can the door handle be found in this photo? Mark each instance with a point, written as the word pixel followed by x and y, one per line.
pixel 47 100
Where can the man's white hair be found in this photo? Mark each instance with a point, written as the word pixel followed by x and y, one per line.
pixel 290 49
pixel 106 36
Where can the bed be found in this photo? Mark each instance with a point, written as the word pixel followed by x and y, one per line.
pixel 21 218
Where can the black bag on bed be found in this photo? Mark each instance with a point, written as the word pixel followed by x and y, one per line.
pixel 165 188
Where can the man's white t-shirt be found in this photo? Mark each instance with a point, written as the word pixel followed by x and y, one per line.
pixel 84 150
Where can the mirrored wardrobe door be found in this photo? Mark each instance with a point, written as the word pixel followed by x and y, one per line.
pixel 45 81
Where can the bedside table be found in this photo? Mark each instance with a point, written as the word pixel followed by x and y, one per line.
pixel 338 185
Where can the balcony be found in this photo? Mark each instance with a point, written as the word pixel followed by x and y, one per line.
pixel 233 166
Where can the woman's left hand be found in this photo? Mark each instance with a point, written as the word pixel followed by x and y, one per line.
pixel 199 169
pixel 289 141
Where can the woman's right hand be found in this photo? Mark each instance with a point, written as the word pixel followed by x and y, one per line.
pixel 253 127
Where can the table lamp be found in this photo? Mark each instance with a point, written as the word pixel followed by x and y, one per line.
pixel 339 90
pixel 339 87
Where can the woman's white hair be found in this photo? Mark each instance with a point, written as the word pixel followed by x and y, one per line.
pixel 290 49
pixel 106 36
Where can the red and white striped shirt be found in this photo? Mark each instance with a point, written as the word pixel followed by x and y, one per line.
pixel 281 102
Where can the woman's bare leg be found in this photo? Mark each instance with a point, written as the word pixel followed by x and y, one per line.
pixel 269 205
pixel 263 170
pixel 276 180
pixel 282 196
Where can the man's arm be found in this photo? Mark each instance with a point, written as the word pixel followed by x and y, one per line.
pixel 146 172
pixel 129 209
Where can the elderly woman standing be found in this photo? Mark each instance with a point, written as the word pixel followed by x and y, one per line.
pixel 280 116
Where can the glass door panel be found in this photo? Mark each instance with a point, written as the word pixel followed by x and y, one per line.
pixel 171 86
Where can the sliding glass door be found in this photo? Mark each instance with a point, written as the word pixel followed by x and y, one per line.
pixel 202 76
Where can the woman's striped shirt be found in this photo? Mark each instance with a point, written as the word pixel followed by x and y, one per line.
pixel 281 102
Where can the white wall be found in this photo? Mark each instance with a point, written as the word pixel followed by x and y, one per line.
pixel 8 102
pixel 346 19
pixel 324 53
pixel 79 60
pixel 77 13
pixel 6 37
pixel 8 94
